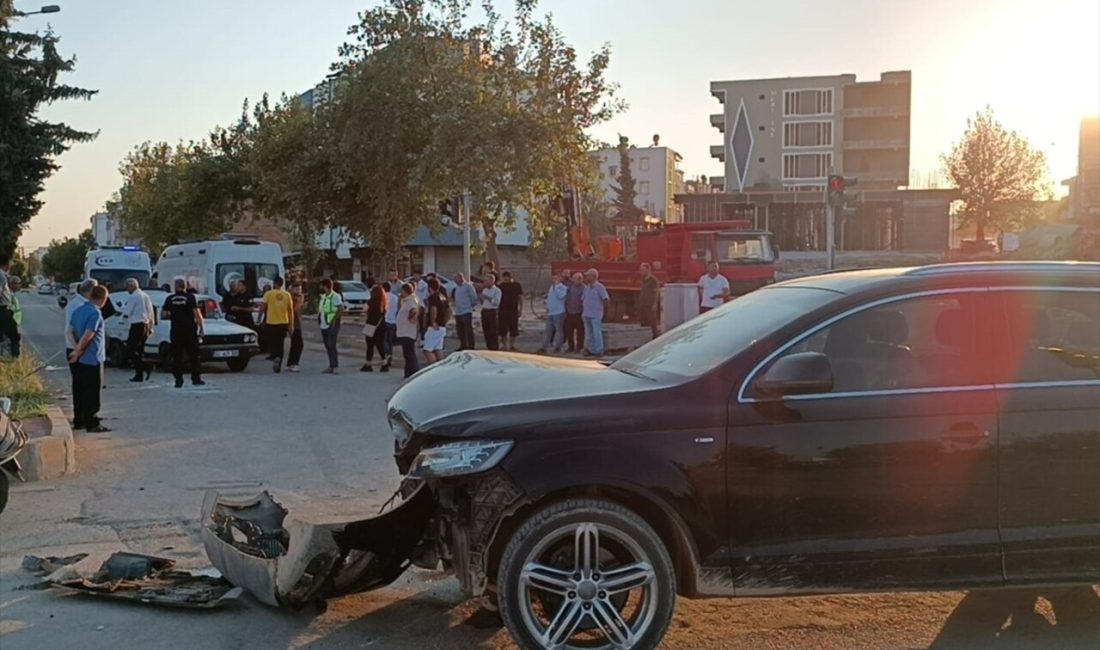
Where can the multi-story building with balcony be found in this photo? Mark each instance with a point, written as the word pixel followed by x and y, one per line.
pixel 657 178
pixel 788 133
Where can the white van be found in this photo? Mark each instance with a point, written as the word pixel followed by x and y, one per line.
pixel 211 267
pixel 111 265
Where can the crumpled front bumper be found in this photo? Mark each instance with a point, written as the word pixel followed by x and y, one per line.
pixel 293 561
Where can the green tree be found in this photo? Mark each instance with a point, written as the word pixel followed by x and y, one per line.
pixel 626 210
pixel 30 66
pixel 64 259
pixel 194 190
pixel 432 105
pixel 998 173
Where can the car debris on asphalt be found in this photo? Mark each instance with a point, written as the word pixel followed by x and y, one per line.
pixel 135 577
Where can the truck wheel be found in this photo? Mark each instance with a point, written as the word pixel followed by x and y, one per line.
pixel 3 490
pixel 586 573
pixel 237 365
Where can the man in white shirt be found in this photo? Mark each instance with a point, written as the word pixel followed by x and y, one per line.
pixel 490 306
pixel 138 311
pixel 393 303
pixel 714 289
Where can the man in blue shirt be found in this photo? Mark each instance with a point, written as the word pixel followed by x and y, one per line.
pixel 555 315
pixel 463 301
pixel 594 302
pixel 86 326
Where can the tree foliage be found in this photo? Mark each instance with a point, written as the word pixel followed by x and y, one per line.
pixel 30 67
pixel 998 174
pixel 64 259
pixel 626 207
pixel 194 190
pixel 433 105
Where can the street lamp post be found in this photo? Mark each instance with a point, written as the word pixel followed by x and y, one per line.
pixel 47 9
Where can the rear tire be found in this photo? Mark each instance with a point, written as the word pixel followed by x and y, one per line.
pixel 550 593
pixel 237 365
pixel 116 354
pixel 164 356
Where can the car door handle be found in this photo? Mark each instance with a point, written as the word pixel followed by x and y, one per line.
pixel 965 432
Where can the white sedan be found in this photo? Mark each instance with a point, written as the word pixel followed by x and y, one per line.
pixel 222 340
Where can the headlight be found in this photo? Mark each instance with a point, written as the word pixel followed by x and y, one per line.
pixel 459 458
pixel 249 338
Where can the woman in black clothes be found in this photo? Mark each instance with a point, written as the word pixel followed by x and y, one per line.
pixel 376 320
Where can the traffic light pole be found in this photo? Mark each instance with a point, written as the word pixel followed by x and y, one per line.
pixel 464 207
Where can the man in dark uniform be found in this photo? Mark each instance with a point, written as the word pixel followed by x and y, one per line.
pixel 238 306
pixel 182 310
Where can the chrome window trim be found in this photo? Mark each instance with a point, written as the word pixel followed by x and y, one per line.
pixel 1061 383
pixel 741 399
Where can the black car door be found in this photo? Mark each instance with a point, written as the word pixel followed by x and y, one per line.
pixel 889 479
pixel 1050 435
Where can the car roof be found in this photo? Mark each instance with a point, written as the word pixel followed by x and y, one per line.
pixel 997 273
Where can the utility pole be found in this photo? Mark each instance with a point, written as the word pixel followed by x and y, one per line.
pixel 464 213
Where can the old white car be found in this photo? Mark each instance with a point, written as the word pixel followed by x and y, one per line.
pixel 222 340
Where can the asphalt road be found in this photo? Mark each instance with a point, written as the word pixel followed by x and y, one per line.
pixel 319 442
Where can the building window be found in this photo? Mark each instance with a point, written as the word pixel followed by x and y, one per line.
pixel 808 102
pixel 808 134
pixel 761 127
pixel 643 164
pixel 806 165
pixel 761 97
pixel 643 187
pixel 613 171
pixel 760 160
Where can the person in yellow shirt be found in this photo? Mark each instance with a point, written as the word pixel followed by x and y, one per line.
pixel 277 311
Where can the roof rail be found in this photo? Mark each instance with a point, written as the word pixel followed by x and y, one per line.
pixel 1003 266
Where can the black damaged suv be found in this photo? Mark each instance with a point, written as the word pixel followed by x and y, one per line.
pixel 923 428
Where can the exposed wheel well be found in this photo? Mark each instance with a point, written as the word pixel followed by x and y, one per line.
pixel 671 532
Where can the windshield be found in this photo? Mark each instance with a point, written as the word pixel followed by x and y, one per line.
pixel 115 279
pixel 710 340
pixel 352 286
pixel 735 249
pixel 257 277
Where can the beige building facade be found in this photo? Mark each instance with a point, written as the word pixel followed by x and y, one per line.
pixel 657 178
pixel 788 133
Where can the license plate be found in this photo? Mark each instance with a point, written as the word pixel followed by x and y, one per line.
pixel 222 354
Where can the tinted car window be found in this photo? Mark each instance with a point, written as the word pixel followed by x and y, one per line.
pixel 922 342
pixel 1055 335
pixel 706 342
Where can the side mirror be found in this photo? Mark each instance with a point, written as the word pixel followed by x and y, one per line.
pixel 797 374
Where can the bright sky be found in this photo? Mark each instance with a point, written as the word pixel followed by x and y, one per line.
pixel 169 70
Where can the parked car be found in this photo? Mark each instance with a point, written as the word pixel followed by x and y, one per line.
pixel 222 341
pixel 356 294
pixel 45 289
pixel 446 283
pixel 889 429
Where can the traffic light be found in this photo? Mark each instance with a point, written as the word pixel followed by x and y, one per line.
pixel 837 183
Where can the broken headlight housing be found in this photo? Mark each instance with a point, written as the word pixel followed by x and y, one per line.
pixel 460 458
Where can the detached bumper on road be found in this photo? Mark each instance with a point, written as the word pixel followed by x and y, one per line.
pixel 285 560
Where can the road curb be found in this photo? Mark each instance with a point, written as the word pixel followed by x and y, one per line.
pixel 53 455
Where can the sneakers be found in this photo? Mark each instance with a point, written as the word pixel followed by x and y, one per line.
pixel 198 382
pixel 292 369
pixel 179 383
pixel 330 371
pixel 385 367
pixel 367 368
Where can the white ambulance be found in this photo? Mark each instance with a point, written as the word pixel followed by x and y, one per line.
pixel 211 267
pixel 111 265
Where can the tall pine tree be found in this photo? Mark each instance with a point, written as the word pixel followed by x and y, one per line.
pixel 29 68
pixel 626 211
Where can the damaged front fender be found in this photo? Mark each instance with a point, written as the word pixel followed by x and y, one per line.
pixel 286 560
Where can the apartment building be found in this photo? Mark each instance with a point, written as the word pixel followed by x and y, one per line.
pixel 657 178
pixel 788 133
pixel 1084 188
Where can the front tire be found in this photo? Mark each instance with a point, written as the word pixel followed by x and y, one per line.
pixel 237 365
pixel 586 573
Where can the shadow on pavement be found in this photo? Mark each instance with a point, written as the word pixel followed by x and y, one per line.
pixel 1024 618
